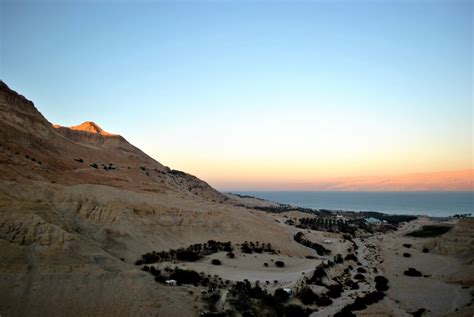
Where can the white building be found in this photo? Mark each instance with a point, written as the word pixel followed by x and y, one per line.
pixel 170 282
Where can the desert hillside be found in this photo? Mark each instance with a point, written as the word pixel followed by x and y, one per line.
pixel 78 206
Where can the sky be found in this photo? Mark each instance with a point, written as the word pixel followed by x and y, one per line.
pixel 255 94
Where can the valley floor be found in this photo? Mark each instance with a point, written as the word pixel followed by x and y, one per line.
pixel 71 251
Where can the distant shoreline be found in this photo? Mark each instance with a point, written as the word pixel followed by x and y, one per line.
pixel 429 204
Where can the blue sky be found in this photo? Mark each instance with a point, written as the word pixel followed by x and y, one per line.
pixel 255 90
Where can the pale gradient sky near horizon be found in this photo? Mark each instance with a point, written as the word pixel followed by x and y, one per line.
pixel 246 94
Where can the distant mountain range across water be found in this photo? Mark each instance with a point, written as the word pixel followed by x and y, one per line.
pixel 431 203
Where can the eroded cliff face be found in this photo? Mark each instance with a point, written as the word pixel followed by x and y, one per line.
pixel 70 250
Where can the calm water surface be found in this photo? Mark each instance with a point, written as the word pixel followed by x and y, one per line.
pixel 439 204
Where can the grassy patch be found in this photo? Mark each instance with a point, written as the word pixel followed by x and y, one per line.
pixel 430 231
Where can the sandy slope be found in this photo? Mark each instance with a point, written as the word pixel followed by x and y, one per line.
pixel 441 292
pixel 65 243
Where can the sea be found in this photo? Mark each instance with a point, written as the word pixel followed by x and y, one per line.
pixel 434 204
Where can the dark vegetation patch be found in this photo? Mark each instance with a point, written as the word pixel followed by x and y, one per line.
pixel 335 290
pixel 338 259
pixel 250 300
pixel 350 257
pixel 425 250
pixel 257 247
pixel 318 274
pixel 326 224
pixel 412 272
pixel 281 295
pixel 430 231
pixel 284 208
pixel 186 277
pixel 247 196
pixel 407 245
pixel 308 297
pixel 280 263
pixel 108 167
pixel 381 283
pixel 406 255
pixel 197 251
pixel 361 303
pixel 295 311
pixel 216 262
pixel 418 313
pixel 320 250
pixel 192 253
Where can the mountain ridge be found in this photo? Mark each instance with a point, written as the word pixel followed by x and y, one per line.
pixel 35 149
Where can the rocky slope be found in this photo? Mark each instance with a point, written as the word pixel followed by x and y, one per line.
pixel 34 149
pixel 79 205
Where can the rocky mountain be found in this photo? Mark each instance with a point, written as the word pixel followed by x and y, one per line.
pixel 33 148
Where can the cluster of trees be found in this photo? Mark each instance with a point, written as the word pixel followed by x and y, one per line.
pixel 351 257
pixel 308 297
pixel 284 208
pixel 360 303
pixel 334 290
pixel 318 275
pixel 320 250
pixel 192 253
pixel 183 276
pixel 257 247
pixel 108 167
pixel 247 196
pixel 381 283
pixel 197 251
pixel 249 300
pixel 325 224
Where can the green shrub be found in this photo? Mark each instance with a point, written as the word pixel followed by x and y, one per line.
pixel 281 295
pixel 307 296
pixel 412 272
pixel 381 283
pixel 185 276
pixel 430 231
